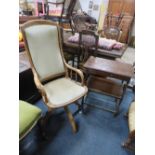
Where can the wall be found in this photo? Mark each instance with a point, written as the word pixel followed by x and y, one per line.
pixel 103 12
pixel 91 11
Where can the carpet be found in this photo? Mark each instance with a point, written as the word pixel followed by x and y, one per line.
pixel 100 133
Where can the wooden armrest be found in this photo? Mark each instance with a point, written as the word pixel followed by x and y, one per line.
pixel 79 72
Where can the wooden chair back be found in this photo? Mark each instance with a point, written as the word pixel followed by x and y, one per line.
pixel 50 3
pixel 88 40
pixel 112 28
pixel 43 46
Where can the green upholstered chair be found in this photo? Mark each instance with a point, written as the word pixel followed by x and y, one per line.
pixel 52 75
pixel 28 117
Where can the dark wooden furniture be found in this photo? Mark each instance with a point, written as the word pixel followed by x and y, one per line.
pixel 72 52
pixel 127 7
pixel 66 14
pixel 23 19
pixel 88 40
pixel 112 29
pixel 112 54
pixel 98 71
pixel 27 89
pixel 82 21
pixel 111 33
pixel 50 3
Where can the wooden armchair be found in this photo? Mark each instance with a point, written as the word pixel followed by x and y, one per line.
pixel 112 29
pixel 64 17
pixel 111 33
pixel 52 75
pixel 88 40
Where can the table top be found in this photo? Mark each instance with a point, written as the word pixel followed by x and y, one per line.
pixel 109 67
pixel 111 53
pixel 23 62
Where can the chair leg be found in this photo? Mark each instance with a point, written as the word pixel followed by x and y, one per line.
pixel 78 61
pixel 71 119
pixel 41 125
pixel 117 107
pixel 82 105
pixel 43 122
pixel 73 61
pixel 128 142
pixel 78 105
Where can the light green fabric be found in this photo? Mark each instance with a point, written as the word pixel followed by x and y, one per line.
pixel 28 115
pixel 62 91
pixel 44 47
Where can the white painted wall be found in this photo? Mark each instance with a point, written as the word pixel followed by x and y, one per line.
pixel 85 7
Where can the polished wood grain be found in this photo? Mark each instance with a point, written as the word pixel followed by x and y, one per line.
pixel 100 51
pixel 127 7
pixel 105 67
pixel 106 86
pixel 98 70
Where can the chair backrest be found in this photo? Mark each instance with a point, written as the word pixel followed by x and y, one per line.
pixel 82 21
pixel 44 49
pixel 88 40
pixel 112 28
pixel 112 33
pixel 59 8
pixel 70 7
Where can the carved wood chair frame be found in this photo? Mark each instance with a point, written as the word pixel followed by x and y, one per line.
pixel 68 71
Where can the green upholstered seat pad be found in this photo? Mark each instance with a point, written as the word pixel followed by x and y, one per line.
pixel 28 115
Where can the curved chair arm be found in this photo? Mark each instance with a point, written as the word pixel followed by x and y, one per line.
pixel 39 86
pixel 79 72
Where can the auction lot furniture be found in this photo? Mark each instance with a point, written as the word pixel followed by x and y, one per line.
pixel 98 69
pixel 63 15
pixel 28 117
pixel 112 54
pixel 52 75
pixel 127 8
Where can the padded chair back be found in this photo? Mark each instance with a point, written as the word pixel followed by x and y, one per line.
pixel 43 46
